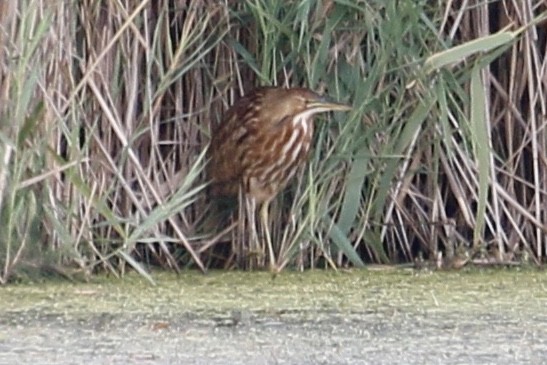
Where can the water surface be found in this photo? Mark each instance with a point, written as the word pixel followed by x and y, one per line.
pixel 315 317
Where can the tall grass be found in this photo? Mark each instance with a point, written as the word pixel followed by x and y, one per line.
pixel 106 108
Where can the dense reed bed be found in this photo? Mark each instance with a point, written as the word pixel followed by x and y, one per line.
pixel 106 109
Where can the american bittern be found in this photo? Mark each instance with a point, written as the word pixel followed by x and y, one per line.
pixel 261 142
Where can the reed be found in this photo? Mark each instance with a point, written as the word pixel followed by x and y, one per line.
pixel 106 108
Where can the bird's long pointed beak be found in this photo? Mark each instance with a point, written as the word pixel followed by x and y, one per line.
pixel 326 104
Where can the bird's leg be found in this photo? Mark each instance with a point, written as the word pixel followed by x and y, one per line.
pixel 241 238
pixel 266 229
pixel 252 234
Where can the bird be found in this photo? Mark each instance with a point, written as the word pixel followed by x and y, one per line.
pixel 259 145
